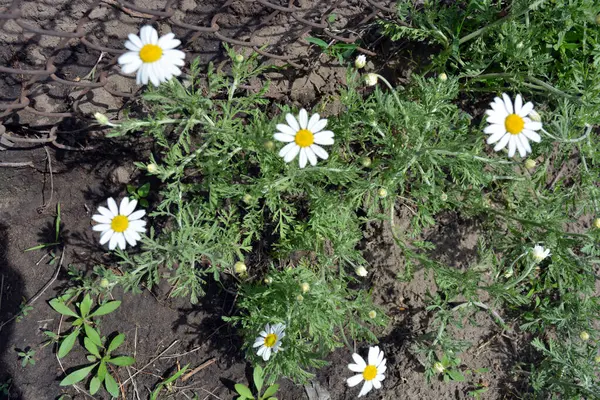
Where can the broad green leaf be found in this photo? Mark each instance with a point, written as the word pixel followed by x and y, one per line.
pixel 456 375
pixel 62 308
pixel 67 344
pixel 106 308
pixel 77 376
pixel 271 390
pixel 144 203
pixel 101 374
pixel 116 342
pixel 172 378
pixel 94 385
pixel 144 190
pixel 319 42
pixel 111 385
pixel 93 335
pixel 91 347
pixel 122 361
pixel 258 378
pixel 243 391
pixel 85 306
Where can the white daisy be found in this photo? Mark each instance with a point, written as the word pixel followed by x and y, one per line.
pixel 512 125
pixel 539 253
pixel 304 136
pixel 372 373
pixel 119 224
pixel 360 61
pixel 269 340
pixel 154 59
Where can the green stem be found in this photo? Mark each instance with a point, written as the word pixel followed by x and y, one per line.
pixel 579 139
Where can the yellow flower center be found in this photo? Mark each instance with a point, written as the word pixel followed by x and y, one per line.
pixel 270 340
pixel 304 138
pixel 150 53
pixel 514 124
pixel 119 223
pixel 370 372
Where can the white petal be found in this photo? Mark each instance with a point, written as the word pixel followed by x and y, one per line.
pixel 355 368
pixel 520 147
pixel 373 354
pixel 381 369
pixel 132 66
pixel 495 128
pixel 502 143
pixel 131 204
pixel 291 120
pixel 324 138
pixel 153 74
pixel 312 158
pixel 267 354
pixel 376 384
pixel 113 241
pixel 379 377
pixel 106 236
pixel 355 380
pixel 531 135
pixel 142 75
pixel 105 211
pixel 128 58
pixel 508 103
pixel 261 351
pixel 512 146
pixel 103 219
pixel 518 104
pixel 283 137
pixel 292 153
pixel 112 206
pixel 359 360
pixel 283 128
pixel 146 34
pixel 496 119
pixel 526 109
pixel 135 42
pixel 496 136
pixel 177 57
pixel 168 41
pixel 101 227
pixel 129 237
pixel 533 125
pixel 303 118
pixel 123 205
pixel 259 342
pixel 137 225
pixel 312 121
pixel 136 215
pixel 498 107
pixel 318 126
pixel 366 388
pixel 303 158
pixel 319 151
pixel 379 359
pixel 286 149
pixel 121 240
pixel 525 142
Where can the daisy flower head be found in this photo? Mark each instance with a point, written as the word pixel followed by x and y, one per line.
pixel 512 125
pixel 269 340
pixel 155 59
pixel 119 225
pixel 303 136
pixel 372 372
pixel 539 253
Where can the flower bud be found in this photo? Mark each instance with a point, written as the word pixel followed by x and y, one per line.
pixel 152 168
pixel 268 280
pixel 360 61
pixel 443 77
pixel 299 297
pixel 584 336
pixel 247 198
pixel 597 359
pixel 382 193
pixel 366 162
pixel 104 283
pixel 598 19
pixel 438 367
pixel 361 271
pixel 305 287
pixel 372 314
pixel 530 164
pixel 269 145
pixel 597 223
pixel 101 118
pixel 509 273
pixel 535 116
pixel 520 45
pixel 240 268
pixel 444 197
pixel 371 79
pixel 238 58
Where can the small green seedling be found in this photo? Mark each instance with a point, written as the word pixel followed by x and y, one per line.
pixel 259 378
pixel 140 194
pixel 24 309
pixel 5 387
pixel 167 383
pixel 98 370
pixel 341 51
pixel 57 240
pixel 26 356
pixel 83 320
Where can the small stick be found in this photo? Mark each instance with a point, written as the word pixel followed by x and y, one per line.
pixel 151 361
pixel 1 291
pixel 17 164
pixel 198 369
pixel 51 180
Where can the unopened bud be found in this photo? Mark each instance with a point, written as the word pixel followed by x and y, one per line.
pixel 530 164
pixel 299 297
pixel 239 58
pixel 382 193
pixel 443 77
pixel 269 145
pixel 240 268
pixel 361 271
pixel 372 314
pixel 102 119
pixel 534 116
pixel 247 198
pixel 597 359
pixel 520 45
pixel 366 162
pixel 509 273
pixel 360 61
pixel 584 336
pixel 598 19
pixel 104 283
pixel 438 367
pixel 597 223
pixel 444 197
pixel 152 168
pixel 268 280
pixel 305 287
pixel 371 79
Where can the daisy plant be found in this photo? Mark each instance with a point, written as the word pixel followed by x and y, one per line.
pixel 119 225
pixel 371 372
